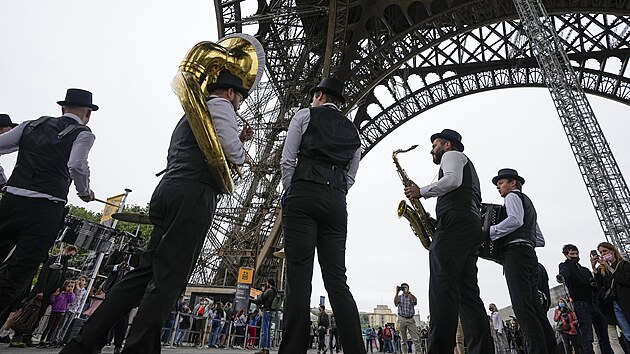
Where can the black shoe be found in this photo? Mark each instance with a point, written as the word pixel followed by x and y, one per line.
pixel 5 339
pixel 117 350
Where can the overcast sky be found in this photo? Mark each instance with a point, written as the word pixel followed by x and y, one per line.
pixel 126 53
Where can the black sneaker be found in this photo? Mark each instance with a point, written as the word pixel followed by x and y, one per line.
pixel 5 339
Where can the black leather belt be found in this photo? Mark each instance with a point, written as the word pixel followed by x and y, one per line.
pixel 406 316
pixel 519 243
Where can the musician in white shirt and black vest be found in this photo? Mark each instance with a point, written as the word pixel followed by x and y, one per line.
pixel 453 284
pixel 319 164
pixel 519 233
pixel 53 152
pixel 181 211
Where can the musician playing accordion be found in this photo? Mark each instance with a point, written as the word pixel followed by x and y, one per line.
pixel 519 234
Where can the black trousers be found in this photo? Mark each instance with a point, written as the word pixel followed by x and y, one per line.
pixel 520 267
pixel 590 317
pixel 119 331
pixel 453 286
pixel 31 226
pixel 314 216
pixel 181 212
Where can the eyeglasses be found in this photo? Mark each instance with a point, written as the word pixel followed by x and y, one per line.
pixel 240 96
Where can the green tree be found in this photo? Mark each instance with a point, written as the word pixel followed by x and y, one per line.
pixel 82 213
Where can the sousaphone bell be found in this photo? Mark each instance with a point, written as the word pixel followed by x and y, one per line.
pixel 244 57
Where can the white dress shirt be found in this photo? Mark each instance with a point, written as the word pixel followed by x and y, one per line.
pixel 514 220
pixel 452 165
pixel 224 119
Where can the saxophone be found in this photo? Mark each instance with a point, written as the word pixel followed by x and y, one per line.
pixel 420 222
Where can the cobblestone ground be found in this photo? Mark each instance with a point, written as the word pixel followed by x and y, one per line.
pixel 4 348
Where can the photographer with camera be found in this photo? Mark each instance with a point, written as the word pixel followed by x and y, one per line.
pixel 405 301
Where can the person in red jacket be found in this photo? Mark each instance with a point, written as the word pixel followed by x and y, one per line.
pixel 566 324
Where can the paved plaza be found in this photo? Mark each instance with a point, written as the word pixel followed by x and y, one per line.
pixel 4 349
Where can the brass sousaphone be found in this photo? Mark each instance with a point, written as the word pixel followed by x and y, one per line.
pixel 244 57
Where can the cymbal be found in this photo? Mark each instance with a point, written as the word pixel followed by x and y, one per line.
pixel 133 218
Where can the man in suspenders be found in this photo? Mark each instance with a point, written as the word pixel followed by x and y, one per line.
pixel 53 152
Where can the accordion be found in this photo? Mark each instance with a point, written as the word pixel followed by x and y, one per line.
pixel 490 250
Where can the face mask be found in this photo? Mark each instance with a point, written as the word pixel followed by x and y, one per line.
pixel 609 257
pixel 561 305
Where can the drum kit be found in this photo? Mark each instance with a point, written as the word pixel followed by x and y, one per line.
pixel 93 236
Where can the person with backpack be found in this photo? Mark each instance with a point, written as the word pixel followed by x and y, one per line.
pixel 370 334
pixel 387 339
pixel 265 303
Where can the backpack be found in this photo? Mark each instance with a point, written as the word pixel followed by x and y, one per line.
pixel 278 301
pixel 28 317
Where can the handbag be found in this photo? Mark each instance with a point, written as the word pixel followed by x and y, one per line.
pixel 607 297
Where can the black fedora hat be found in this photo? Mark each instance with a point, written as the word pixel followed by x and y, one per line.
pixel 332 87
pixel 78 98
pixel 508 173
pixel 450 135
pixel 5 121
pixel 228 80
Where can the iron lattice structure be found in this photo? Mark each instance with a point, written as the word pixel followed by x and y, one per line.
pixel 399 58
pixel 605 183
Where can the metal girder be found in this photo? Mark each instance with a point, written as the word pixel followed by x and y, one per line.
pixel 483 51
pixel 605 184
pixel 462 43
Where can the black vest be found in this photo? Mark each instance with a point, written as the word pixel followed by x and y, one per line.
pixel 527 231
pixel 327 147
pixel 467 197
pixel 42 162
pixel 185 160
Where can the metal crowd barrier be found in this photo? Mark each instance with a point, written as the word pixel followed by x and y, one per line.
pixel 212 332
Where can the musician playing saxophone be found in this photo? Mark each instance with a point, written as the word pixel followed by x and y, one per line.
pixel 453 251
pixel 181 211
pixel 519 234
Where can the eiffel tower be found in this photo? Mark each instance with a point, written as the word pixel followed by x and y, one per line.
pixel 471 46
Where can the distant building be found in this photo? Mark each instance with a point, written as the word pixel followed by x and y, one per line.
pixel 381 316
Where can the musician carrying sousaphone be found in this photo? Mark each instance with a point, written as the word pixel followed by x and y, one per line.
pixel 212 81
